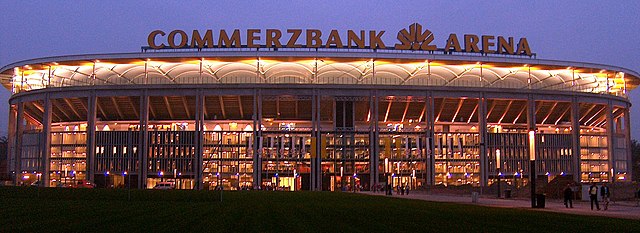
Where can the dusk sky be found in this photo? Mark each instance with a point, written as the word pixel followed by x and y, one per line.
pixel 604 32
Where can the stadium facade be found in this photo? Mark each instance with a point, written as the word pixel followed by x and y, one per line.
pixel 316 118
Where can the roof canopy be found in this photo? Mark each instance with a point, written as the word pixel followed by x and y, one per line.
pixel 304 66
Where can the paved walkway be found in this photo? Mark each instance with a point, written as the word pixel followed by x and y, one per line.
pixel 626 210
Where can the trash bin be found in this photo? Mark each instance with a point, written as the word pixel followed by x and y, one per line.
pixel 474 197
pixel 507 193
pixel 540 199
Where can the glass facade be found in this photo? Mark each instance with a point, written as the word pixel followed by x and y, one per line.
pixel 277 148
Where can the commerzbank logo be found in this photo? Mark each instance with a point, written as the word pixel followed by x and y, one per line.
pixel 415 38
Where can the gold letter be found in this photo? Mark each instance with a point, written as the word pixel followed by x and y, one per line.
pixel 295 34
pixel 504 46
pixel 352 37
pixel 334 38
pixel 453 42
pixel 152 39
pixel 523 47
pixel 224 39
pixel 487 41
pixel 313 35
pixel 172 39
pixel 196 40
pixel 375 41
pixel 251 37
pixel 273 38
pixel 471 44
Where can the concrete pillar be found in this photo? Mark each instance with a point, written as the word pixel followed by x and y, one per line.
pixel 316 162
pixel 610 140
pixel 482 134
pixel 45 142
pixel 374 158
pixel 11 142
pixel 91 135
pixel 319 139
pixel 143 141
pixel 575 139
pixel 18 142
pixel 199 139
pixel 627 132
pixel 376 134
pixel 256 141
pixel 257 166
pixel 316 144
pixel 431 162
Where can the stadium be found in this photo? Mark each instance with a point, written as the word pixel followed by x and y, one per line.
pixel 315 118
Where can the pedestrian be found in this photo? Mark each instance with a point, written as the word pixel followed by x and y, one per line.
pixel 605 193
pixel 407 191
pixel 401 190
pixel 568 196
pixel 593 195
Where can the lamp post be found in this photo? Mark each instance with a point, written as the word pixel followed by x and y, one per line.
pixel 532 166
pixel 498 169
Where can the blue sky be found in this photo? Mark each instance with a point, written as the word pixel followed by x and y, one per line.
pixel 603 32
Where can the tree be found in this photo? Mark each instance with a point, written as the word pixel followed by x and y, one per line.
pixel 635 159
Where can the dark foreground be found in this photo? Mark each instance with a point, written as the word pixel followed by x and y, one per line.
pixel 109 210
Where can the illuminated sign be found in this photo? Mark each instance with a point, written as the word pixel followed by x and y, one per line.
pixel 413 39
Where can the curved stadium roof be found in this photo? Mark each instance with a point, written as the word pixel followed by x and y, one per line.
pixel 322 66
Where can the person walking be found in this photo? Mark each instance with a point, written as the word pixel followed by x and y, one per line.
pixel 593 195
pixel 605 193
pixel 388 189
pixel 568 196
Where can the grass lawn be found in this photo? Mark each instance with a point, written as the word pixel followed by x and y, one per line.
pixel 109 210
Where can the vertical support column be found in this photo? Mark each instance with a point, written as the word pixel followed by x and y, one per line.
pixel 319 142
pixel 91 135
pixel 374 158
pixel 376 134
pixel 11 142
pixel 531 124
pixel 314 142
pixel 575 138
pixel 18 150
pixel 199 140
pixel 256 141
pixel 482 134
pixel 46 142
pixel 610 141
pixel 431 162
pixel 257 152
pixel 143 140
pixel 627 132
